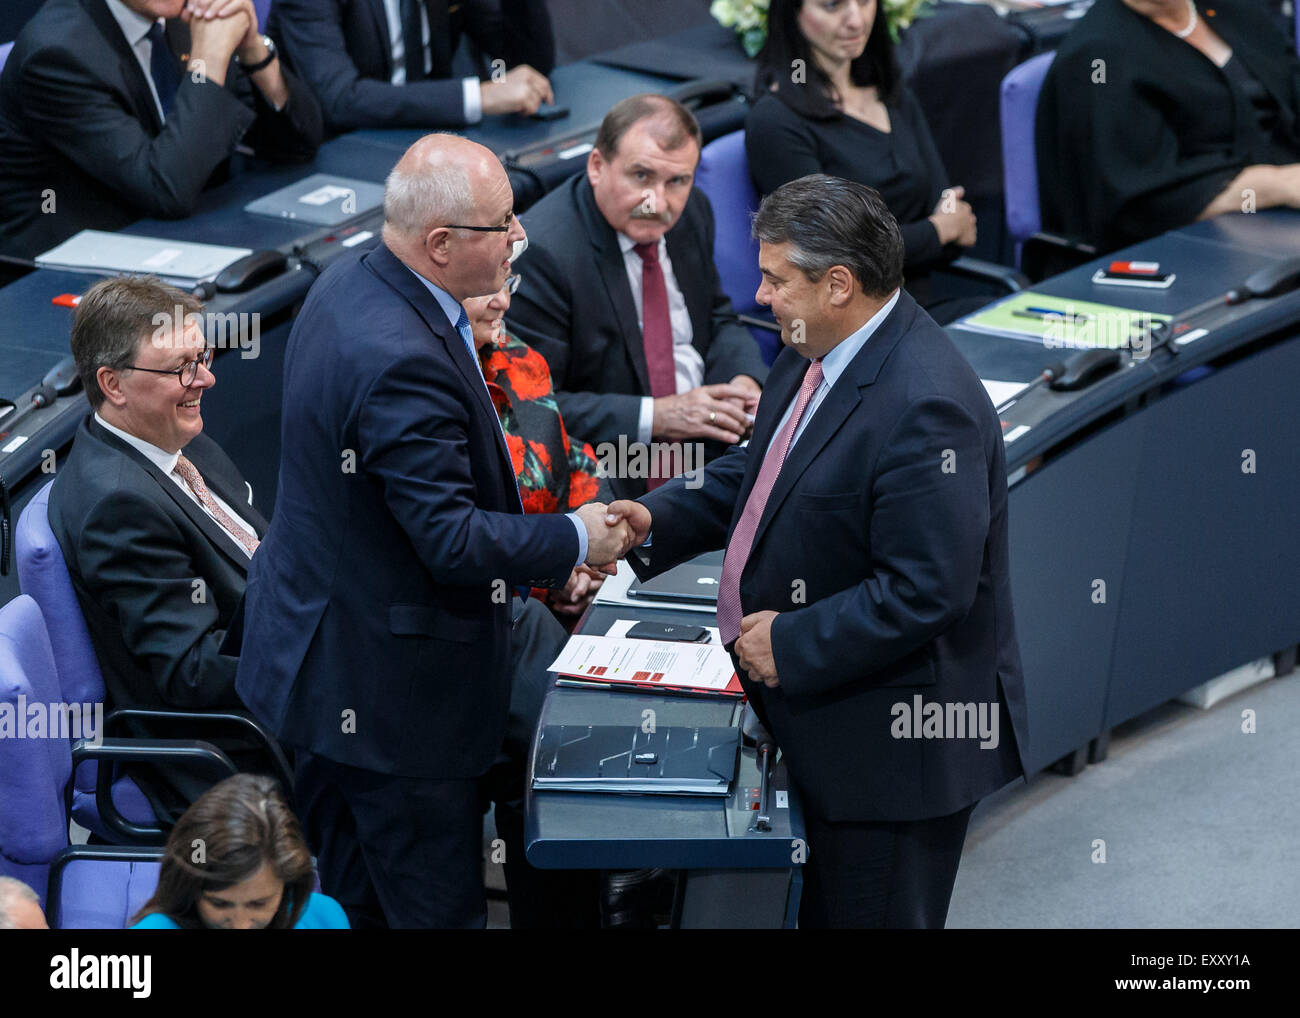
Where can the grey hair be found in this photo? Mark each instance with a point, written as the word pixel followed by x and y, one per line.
pixel 11 892
pixel 414 203
pixel 831 221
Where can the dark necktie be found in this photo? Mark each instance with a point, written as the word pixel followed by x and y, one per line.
pixel 657 338
pixel 162 67
pixel 413 39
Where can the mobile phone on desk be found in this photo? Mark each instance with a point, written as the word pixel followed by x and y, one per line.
pixel 549 112
pixel 668 631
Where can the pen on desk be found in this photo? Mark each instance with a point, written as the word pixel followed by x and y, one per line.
pixel 1048 315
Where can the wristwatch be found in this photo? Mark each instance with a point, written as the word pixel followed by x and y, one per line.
pixel 264 62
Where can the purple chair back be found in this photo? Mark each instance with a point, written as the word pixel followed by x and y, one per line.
pixel 35 762
pixel 5 47
pixel 100 895
pixel 1020 90
pixel 43 574
pixel 263 9
pixel 723 176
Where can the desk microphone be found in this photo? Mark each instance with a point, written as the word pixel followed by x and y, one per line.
pixel 762 820
pixel 1049 374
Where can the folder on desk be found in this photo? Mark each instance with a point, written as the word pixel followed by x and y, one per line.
pixel 321 199
pixel 176 261
pixel 672 760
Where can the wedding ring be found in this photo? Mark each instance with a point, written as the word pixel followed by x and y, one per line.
pixel 713 416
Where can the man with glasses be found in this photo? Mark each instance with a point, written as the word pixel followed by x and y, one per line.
pixel 155 522
pixel 380 610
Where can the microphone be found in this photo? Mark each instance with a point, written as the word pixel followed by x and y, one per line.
pixel 762 820
pixel 44 395
pixel 1049 374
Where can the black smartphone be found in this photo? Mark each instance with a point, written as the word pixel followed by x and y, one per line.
pixel 548 112
pixel 668 631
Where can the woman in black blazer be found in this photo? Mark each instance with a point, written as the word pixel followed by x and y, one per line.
pixel 831 101
pixel 1157 113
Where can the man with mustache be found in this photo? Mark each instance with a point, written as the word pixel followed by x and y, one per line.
pixel 624 301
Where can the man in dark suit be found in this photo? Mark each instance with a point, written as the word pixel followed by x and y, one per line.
pixel 865 592
pixel 108 114
pixel 155 522
pixel 378 616
pixel 356 56
pixel 621 296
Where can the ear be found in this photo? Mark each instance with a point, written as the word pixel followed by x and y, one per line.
pixel 110 384
pixel 596 166
pixel 841 286
pixel 437 245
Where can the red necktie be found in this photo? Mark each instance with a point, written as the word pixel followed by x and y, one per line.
pixel 657 337
pixel 742 538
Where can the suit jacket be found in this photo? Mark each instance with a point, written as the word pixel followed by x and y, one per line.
pixel 77 119
pixel 135 544
pixel 575 308
pixel 342 49
pixel 890 574
pixel 377 621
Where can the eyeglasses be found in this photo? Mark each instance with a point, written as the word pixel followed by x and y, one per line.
pixel 485 229
pixel 187 372
pixel 512 283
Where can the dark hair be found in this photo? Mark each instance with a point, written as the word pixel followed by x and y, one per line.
pixel 673 124
pixel 815 96
pixel 240 824
pixel 113 319
pixel 831 221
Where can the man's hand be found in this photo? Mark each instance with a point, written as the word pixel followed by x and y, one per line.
pixel 754 648
pixel 710 411
pixel 583 583
pixel 522 90
pixel 215 37
pixel 606 541
pixel 749 406
pixel 635 516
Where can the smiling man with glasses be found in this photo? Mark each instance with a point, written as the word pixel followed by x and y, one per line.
pixel 156 524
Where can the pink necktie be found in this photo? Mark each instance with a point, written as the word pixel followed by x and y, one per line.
pixel 190 475
pixel 657 338
pixel 742 538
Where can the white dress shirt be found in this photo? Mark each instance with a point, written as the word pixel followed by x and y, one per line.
pixel 136 29
pixel 166 462
pixel 687 362
pixel 471 90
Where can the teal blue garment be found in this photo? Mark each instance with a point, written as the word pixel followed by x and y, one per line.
pixel 322 913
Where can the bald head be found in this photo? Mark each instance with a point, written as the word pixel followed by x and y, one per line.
pixel 440 186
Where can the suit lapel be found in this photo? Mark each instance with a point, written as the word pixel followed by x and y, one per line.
pixel 236 498
pixel 132 76
pixel 379 23
pixel 837 406
pixel 613 274
pixel 212 530
pixel 389 268
pixel 688 272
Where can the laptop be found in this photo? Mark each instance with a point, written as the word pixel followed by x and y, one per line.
pixel 691 582
pixel 321 199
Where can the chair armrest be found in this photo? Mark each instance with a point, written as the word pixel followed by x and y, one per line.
pixel 1050 254
pixel 976 268
pixel 205 756
pixel 758 323
pixel 91 853
pixel 236 719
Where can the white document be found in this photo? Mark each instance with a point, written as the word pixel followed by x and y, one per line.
pixel 603 659
pixel 1000 392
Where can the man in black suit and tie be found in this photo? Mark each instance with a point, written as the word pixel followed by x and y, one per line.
pixel 379 614
pixel 865 591
pixel 358 58
pixel 621 296
pixel 109 113
pixel 155 522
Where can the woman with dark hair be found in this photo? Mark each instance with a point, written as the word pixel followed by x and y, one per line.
pixel 831 101
pixel 1158 113
pixel 236 860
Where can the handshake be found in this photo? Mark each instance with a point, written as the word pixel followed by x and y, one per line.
pixel 613 530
